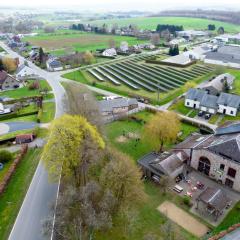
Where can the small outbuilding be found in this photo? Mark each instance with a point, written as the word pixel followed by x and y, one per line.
pixel 24 138
pixel 214 201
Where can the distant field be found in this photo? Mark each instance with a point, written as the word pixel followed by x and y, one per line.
pixel 188 23
pixel 76 41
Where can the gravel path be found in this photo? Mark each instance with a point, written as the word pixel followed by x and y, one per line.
pixel 183 219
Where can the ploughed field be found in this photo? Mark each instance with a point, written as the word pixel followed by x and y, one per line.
pixel 138 75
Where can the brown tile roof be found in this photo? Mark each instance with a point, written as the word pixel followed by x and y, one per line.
pixel 3 76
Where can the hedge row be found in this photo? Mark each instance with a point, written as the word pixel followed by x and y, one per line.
pixel 225 232
pixel 16 115
pixel 17 100
pixel 12 169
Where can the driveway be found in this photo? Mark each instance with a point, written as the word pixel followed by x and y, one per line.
pixel 4 128
pixel 17 126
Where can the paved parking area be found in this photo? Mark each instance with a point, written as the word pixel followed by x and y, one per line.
pixel 195 176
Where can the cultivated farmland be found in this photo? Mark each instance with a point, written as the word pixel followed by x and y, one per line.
pixel 64 42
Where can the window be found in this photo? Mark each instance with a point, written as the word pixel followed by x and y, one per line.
pixel 231 172
pixel 231 112
pixel 222 166
pixel 229 183
pixel 188 103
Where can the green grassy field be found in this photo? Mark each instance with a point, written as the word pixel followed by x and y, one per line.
pixel 69 41
pixel 11 200
pixel 152 22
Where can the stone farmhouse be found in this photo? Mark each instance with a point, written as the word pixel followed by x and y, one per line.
pixel 225 103
pixel 216 156
pixel 8 82
pixel 117 106
pixel 24 71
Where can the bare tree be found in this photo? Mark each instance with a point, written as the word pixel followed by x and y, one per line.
pixel 81 101
pixel 111 43
pixel 155 39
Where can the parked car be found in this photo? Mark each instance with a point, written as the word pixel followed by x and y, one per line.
pixel 208 116
pixel 201 113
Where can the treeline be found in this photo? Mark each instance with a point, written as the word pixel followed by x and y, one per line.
pixel 224 16
pixel 170 28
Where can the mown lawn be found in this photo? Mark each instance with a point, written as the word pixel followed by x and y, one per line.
pixel 180 107
pixel 48 112
pixel 115 130
pixel 11 200
pixel 24 91
pixel 187 22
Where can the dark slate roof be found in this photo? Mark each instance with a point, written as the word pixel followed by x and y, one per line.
pixel 229 100
pixel 165 163
pixel 214 197
pixel 195 94
pixel 233 128
pixel 222 57
pixel 55 63
pixel 227 146
pixel 147 159
pixel 109 105
pixel 209 101
pixel 218 82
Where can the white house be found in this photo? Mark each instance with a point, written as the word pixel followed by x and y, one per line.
pixel 54 65
pixel 228 104
pixel 24 71
pixel 4 110
pixel 194 98
pixel 111 52
pixel 124 47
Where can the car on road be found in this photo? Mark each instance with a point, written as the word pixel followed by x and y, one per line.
pixel 208 116
pixel 201 113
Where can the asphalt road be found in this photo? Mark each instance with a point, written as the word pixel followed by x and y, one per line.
pixel 41 194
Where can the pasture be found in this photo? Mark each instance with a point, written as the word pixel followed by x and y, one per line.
pixel 67 41
pixel 152 22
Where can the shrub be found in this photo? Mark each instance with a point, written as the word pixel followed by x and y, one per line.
pixel 186 201
pixel 5 156
pixel 33 86
pixel 39 116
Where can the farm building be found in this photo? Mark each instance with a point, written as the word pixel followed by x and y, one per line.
pixel 117 106
pixel 190 34
pixel 228 104
pixel 197 53
pixel 180 59
pixel 218 84
pixel 226 56
pixel 111 52
pixel 215 155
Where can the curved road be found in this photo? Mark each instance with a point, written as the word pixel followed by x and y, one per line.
pixel 41 194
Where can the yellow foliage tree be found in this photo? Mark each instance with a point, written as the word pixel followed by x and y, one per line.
pixel 88 58
pixel 10 64
pixel 188 85
pixel 162 128
pixel 72 147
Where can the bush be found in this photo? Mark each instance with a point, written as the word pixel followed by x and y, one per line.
pixel 187 201
pixel 5 156
pixel 39 116
pixel 33 86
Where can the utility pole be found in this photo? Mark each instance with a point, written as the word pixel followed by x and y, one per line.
pixel 158 93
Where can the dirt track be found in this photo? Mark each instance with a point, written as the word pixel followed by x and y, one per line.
pixel 183 219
